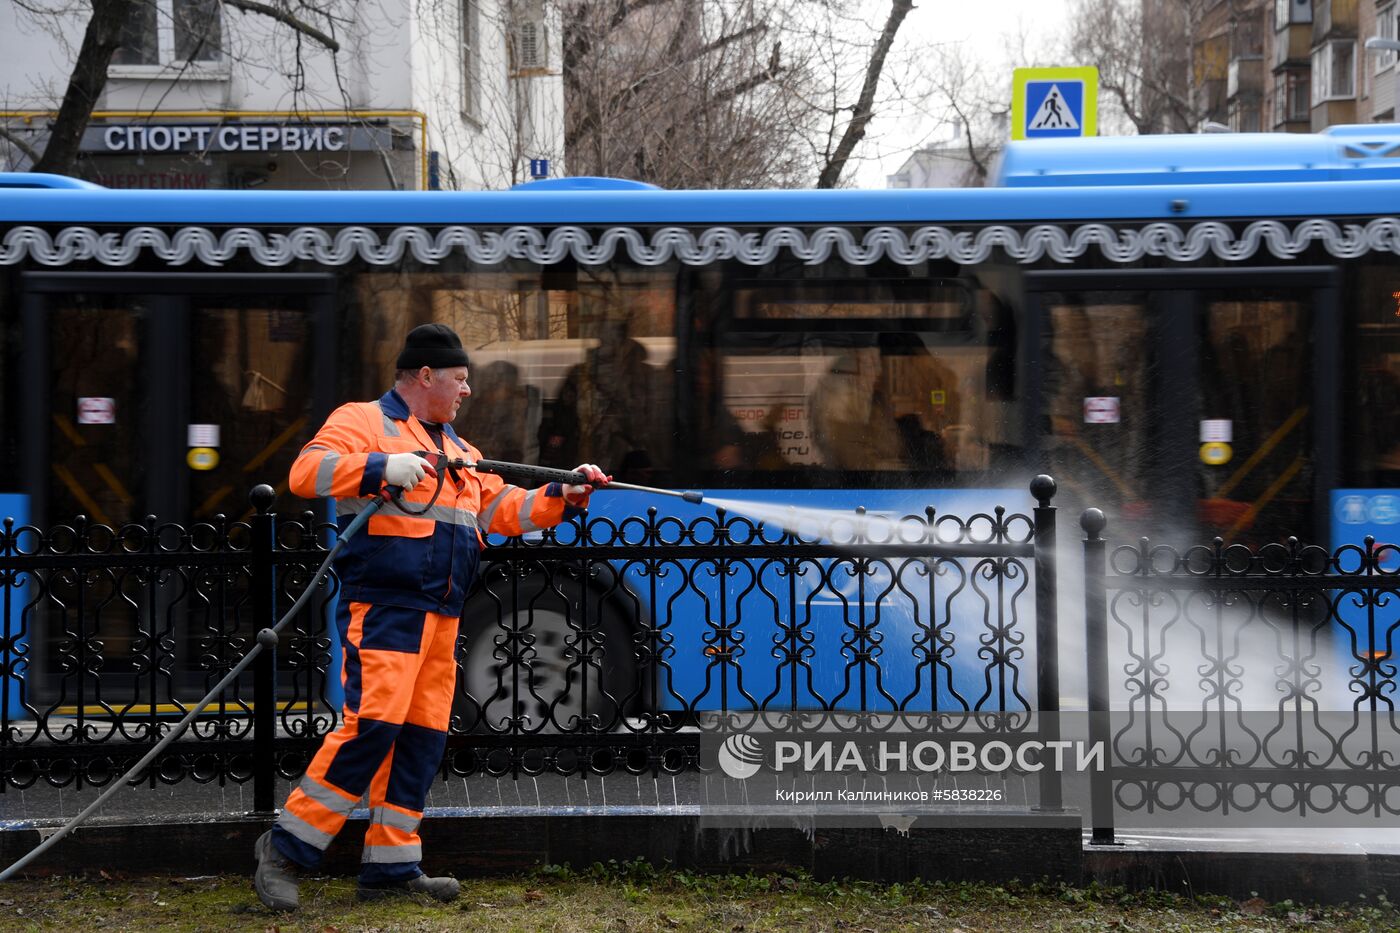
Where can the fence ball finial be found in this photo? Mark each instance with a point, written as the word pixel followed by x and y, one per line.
pixel 261 496
pixel 1093 522
pixel 1043 488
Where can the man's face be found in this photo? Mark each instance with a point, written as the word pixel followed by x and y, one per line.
pixel 446 389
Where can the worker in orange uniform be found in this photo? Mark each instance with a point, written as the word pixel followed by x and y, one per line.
pixel 402 588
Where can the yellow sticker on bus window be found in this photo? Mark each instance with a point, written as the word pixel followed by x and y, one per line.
pixel 1216 453
pixel 202 458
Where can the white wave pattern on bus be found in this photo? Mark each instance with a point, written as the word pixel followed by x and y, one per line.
pixel 709 245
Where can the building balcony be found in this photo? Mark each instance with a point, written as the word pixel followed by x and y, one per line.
pixel 1332 113
pixel 1246 78
pixel 1334 19
pixel 1292 46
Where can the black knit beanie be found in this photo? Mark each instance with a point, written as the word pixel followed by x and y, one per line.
pixel 433 345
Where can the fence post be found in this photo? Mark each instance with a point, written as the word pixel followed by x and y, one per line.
pixel 1047 635
pixel 264 601
pixel 1096 656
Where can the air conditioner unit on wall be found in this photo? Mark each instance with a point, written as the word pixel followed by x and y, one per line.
pixel 529 50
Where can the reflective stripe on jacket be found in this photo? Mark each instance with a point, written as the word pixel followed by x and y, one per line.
pixel 424 561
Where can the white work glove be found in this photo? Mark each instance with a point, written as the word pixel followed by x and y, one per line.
pixel 407 470
pixel 577 495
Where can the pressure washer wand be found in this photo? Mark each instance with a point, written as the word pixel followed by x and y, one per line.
pixel 530 473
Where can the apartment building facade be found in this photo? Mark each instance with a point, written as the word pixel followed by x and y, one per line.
pixel 398 94
pixel 1293 66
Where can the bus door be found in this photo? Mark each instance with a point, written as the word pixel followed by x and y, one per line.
pixel 169 395
pixel 1188 403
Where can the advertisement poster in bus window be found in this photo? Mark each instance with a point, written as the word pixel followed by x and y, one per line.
pixel 1356 515
pixel 1359 513
pixel 768 395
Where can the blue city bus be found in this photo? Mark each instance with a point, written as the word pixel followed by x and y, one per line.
pixel 1198 334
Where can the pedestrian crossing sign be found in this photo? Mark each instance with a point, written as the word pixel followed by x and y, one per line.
pixel 1047 103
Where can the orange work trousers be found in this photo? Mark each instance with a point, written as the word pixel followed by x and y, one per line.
pixel 399 673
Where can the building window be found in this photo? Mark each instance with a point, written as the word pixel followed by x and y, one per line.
pixel 172 32
pixel 1288 12
pixel 471 57
pixel 1245 119
pixel 1385 28
pixel 1334 71
pixel 1291 97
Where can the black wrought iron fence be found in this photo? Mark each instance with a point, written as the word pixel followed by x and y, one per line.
pixel 111 634
pixel 1226 680
pixel 596 647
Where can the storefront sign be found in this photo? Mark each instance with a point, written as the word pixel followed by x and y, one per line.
pixel 163 181
pixel 235 137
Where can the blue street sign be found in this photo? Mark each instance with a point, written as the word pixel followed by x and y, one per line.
pixel 1056 108
pixel 539 168
pixel 1054 102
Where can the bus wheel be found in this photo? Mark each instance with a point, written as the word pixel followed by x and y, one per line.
pixel 549 667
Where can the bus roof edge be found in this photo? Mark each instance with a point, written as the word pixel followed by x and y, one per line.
pixel 43 180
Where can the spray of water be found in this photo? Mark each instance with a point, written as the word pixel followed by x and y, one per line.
pixel 1256 651
pixel 837 526
pixel 1191 650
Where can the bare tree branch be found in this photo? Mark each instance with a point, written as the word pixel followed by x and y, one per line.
pixel 1143 51
pixel 580 38
pixel 287 19
pixel 724 93
pixel 855 130
pixel 690 56
pixel 29 151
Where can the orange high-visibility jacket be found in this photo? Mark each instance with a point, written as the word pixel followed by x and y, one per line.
pixel 424 561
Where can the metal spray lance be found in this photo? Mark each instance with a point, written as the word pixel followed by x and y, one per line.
pixel 529 473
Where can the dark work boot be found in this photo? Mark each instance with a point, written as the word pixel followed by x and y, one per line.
pixel 442 889
pixel 276 876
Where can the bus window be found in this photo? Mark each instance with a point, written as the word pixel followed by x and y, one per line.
pixel 1256 375
pixel 1372 423
pixel 1096 349
pixel 1132 394
pixel 565 368
pixel 257 388
pixel 856 376
pixel 614 403
pixel 98 469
